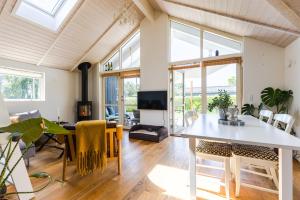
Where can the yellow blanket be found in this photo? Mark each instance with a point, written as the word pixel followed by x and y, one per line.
pixel 91 146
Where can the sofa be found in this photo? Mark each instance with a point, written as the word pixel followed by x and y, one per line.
pixel 18 117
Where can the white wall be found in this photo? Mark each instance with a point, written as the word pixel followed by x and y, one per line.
pixel 292 79
pixel 59 92
pixel 263 67
pixel 154 63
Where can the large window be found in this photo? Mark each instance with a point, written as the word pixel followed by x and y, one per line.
pixel 131 53
pixel 127 56
pixel 21 85
pixel 185 42
pixel 216 45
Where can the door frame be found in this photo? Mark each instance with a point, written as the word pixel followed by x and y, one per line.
pixel 121 75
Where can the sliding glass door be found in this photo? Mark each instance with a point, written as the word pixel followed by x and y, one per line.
pixel 129 101
pixel 120 97
pixel 221 77
pixel 186 95
pixel 111 90
pixel 178 101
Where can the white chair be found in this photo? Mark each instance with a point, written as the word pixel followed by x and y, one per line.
pixel 215 151
pixel 219 152
pixel 190 117
pixel 266 114
pixel 259 157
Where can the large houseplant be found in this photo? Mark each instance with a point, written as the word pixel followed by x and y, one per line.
pixel 276 100
pixel 223 101
pixel 29 131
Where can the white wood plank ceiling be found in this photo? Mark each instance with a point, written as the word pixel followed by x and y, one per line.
pixel 91 32
pixel 89 35
pixel 258 19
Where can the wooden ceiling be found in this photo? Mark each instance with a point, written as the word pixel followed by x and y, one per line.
pixel 91 32
pixel 260 19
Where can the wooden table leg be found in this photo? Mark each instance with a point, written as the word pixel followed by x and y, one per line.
pixel 111 143
pixel 65 161
pixel 192 167
pixel 119 132
pixel 119 157
pixel 285 174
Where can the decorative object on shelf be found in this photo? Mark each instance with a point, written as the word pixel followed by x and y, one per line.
pixel 29 131
pixel 108 66
pixel 124 14
pixel 222 102
pixel 217 53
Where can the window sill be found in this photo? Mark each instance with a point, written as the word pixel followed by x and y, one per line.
pixel 24 100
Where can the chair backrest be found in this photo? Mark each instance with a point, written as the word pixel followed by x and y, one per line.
pixel 136 114
pixel 266 114
pixel 286 119
pixel 190 115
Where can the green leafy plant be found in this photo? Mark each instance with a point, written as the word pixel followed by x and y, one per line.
pixel 29 131
pixel 248 109
pixel 222 102
pixel 280 99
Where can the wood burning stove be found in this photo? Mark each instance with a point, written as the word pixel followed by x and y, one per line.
pixel 84 107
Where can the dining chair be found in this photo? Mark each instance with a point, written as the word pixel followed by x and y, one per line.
pixel 259 157
pixel 190 117
pixel 213 151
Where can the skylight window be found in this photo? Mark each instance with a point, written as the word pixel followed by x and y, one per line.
pixel 50 7
pixel 47 13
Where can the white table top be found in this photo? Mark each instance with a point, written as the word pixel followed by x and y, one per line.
pixel 254 132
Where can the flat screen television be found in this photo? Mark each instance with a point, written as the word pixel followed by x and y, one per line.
pixel 153 100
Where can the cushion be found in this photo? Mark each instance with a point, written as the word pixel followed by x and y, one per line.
pixel 111 111
pixel 22 116
pixel 34 114
pixel 253 151
pixel 214 148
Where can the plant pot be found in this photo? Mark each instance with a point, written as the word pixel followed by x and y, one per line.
pixel 223 113
pixel 3 191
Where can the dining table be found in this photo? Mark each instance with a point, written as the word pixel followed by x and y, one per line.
pixel 254 132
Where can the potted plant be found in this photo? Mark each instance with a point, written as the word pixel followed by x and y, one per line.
pixel 29 131
pixel 222 102
pixel 276 100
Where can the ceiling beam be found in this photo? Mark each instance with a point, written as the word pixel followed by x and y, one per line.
pixel 237 18
pixel 286 12
pixel 116 20
pixel 81 5
pixel 2 5
pixel 146 8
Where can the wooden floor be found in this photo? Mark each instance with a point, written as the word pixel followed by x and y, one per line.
pixel 151 171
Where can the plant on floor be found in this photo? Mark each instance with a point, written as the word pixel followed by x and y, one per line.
pixel 276 100
pixel 222 102
pixel 29 131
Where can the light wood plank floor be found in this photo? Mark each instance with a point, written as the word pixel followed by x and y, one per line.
pixel 151 171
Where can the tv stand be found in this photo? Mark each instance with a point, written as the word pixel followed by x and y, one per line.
pixel 148 132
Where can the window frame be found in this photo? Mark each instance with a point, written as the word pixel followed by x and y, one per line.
pixel 41 80
pixel 119 50
pixel 55 10
pixel 202 29
pixel 42 18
